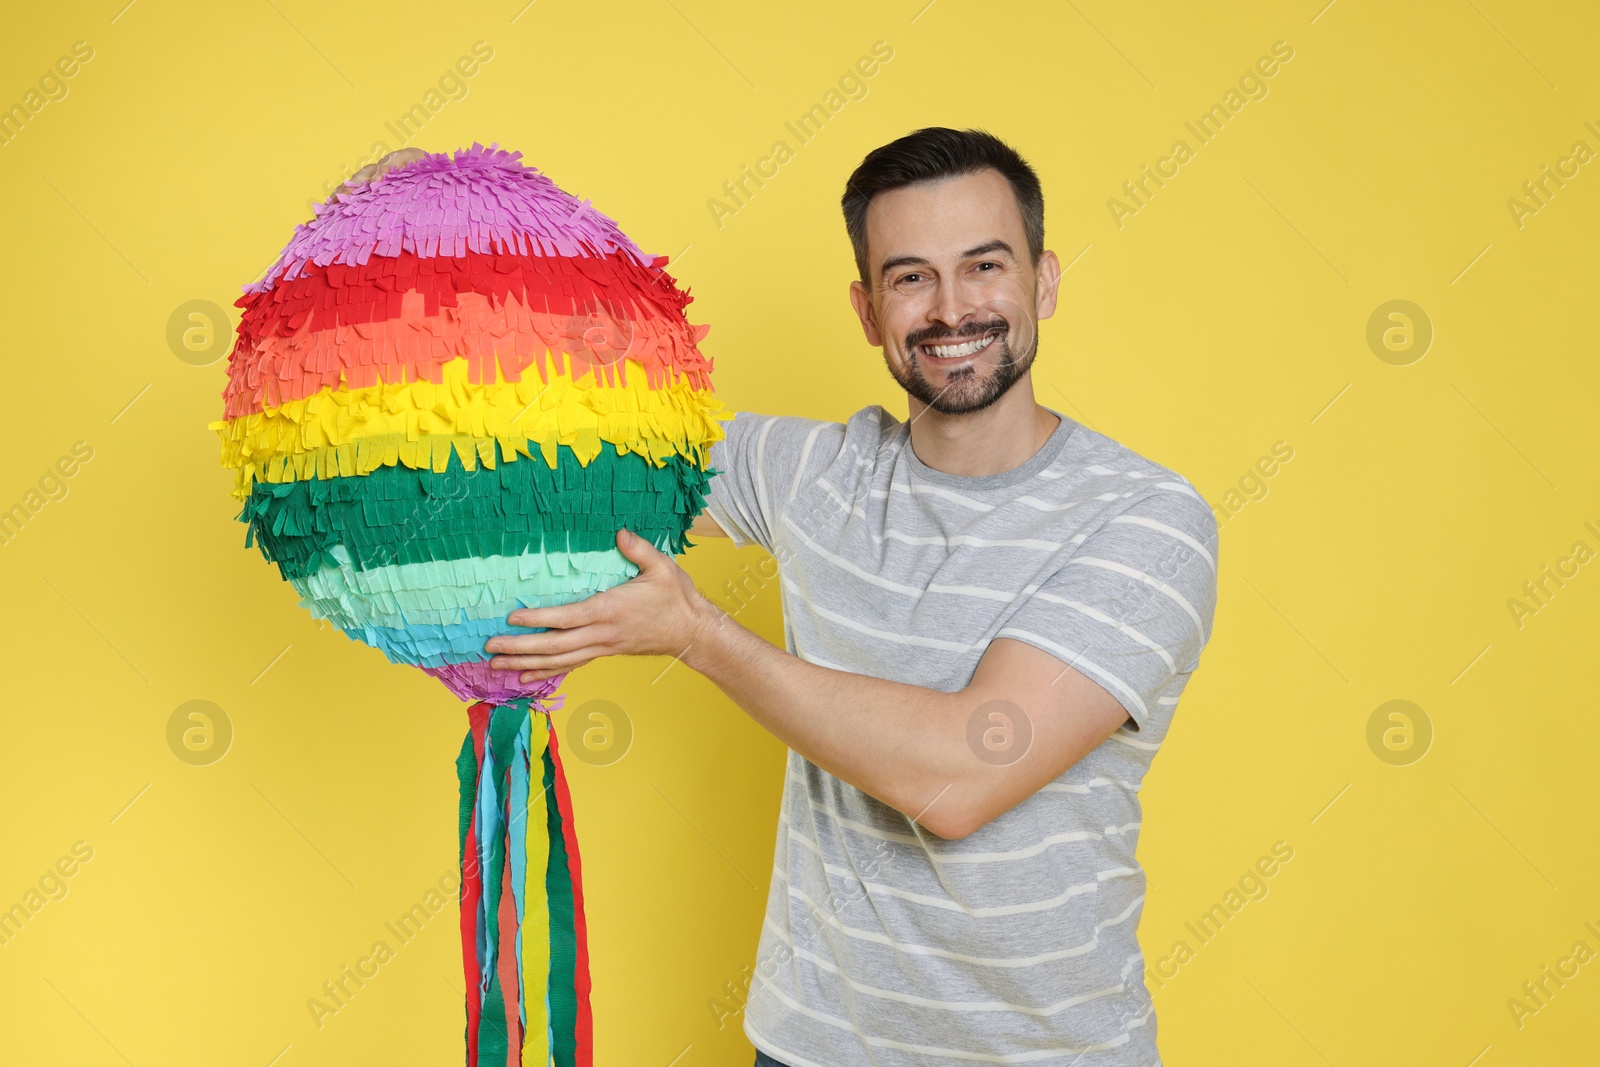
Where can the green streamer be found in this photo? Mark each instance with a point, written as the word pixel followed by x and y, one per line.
pixel 563 932
pixel 494 1039
pixel 467 776
pixel 402 515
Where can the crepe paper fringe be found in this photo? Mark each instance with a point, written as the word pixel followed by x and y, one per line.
pixel 423 645
pixel 351 617
pixel 357 325
pixel 298 557
pixel 398 515
pixel 451 590
pixel 345 294
pixel 420 424
pixel 433 646
pixel 384 433
pixel 480 200
pixel 478 681
pixel 497 343
pixel 524 937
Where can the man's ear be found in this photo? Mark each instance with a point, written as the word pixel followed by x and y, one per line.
pixel 1047 284
pixel 861 300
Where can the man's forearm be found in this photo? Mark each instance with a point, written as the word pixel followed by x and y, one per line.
pixel 922 751
pixel 903 744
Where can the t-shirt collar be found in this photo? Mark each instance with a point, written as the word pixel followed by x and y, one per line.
pixel 1039 461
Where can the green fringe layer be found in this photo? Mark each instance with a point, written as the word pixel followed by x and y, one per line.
pixel 398 514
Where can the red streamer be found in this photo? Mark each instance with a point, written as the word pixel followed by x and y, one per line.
pixel 472 894
pixel 584 1049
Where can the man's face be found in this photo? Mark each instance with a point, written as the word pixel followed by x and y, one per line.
pixel 954 300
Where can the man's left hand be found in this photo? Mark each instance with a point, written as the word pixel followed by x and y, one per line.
pixel 657 612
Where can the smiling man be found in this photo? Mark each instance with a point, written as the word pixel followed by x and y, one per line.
pixel 990 613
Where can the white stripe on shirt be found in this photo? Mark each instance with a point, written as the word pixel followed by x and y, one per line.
pixel 942 1005
pixel 817 911
pixel 946 903
pixel 1141 576
pixel 938 856
pixel 1078 662
pixel 1151 524
pixel 931 1050
pixel 897 587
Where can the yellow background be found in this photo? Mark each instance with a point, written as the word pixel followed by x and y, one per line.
pixel 1224 317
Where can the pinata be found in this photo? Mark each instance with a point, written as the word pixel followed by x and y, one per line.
pixel 452 389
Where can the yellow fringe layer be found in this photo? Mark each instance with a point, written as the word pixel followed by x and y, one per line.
pixel 342 432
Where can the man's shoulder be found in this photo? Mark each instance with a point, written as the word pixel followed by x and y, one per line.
pixel 1098 453
pixel 872 420
pixel 863 432
pixel 1143 484
pixel 872 427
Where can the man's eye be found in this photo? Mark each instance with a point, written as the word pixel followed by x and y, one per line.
pixel 906 279
pixel 982 266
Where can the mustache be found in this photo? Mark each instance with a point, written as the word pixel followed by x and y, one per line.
pixel 941 335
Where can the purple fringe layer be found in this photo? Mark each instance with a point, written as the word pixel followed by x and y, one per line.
pixel 481 200
pixel 472 682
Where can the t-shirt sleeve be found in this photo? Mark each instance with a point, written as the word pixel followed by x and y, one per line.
pixel 760 466
pixel 1132 607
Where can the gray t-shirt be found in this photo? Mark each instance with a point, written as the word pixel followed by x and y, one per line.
pixel 884 944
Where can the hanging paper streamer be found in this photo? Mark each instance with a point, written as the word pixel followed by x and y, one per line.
pixel 523 934
pixel 453 388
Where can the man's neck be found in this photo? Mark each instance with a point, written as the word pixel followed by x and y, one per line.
pixel 1004 435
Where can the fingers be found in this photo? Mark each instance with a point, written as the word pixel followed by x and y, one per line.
pixel 638 550
pixel 399 158
pixel 580 613
pixel 565 661
pixel 529 677
pixel 373 171
pixel 551 642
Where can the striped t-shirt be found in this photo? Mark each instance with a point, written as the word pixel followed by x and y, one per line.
pixel 884 944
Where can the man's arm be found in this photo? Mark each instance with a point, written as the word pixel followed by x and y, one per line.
pixel 950 761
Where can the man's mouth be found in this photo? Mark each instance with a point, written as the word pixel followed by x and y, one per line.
pixel 959 350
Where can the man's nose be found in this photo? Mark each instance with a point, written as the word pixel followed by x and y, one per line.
pixel 951 306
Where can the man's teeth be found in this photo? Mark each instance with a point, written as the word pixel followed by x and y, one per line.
pixel 957 351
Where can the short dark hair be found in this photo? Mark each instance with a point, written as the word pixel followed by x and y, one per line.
pixel 932 154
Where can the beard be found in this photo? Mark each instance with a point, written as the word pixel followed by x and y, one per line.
pixel 969 388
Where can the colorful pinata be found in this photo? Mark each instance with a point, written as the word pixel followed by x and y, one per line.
pixel 445 398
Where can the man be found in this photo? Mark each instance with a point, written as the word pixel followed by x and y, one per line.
pixel 990 612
